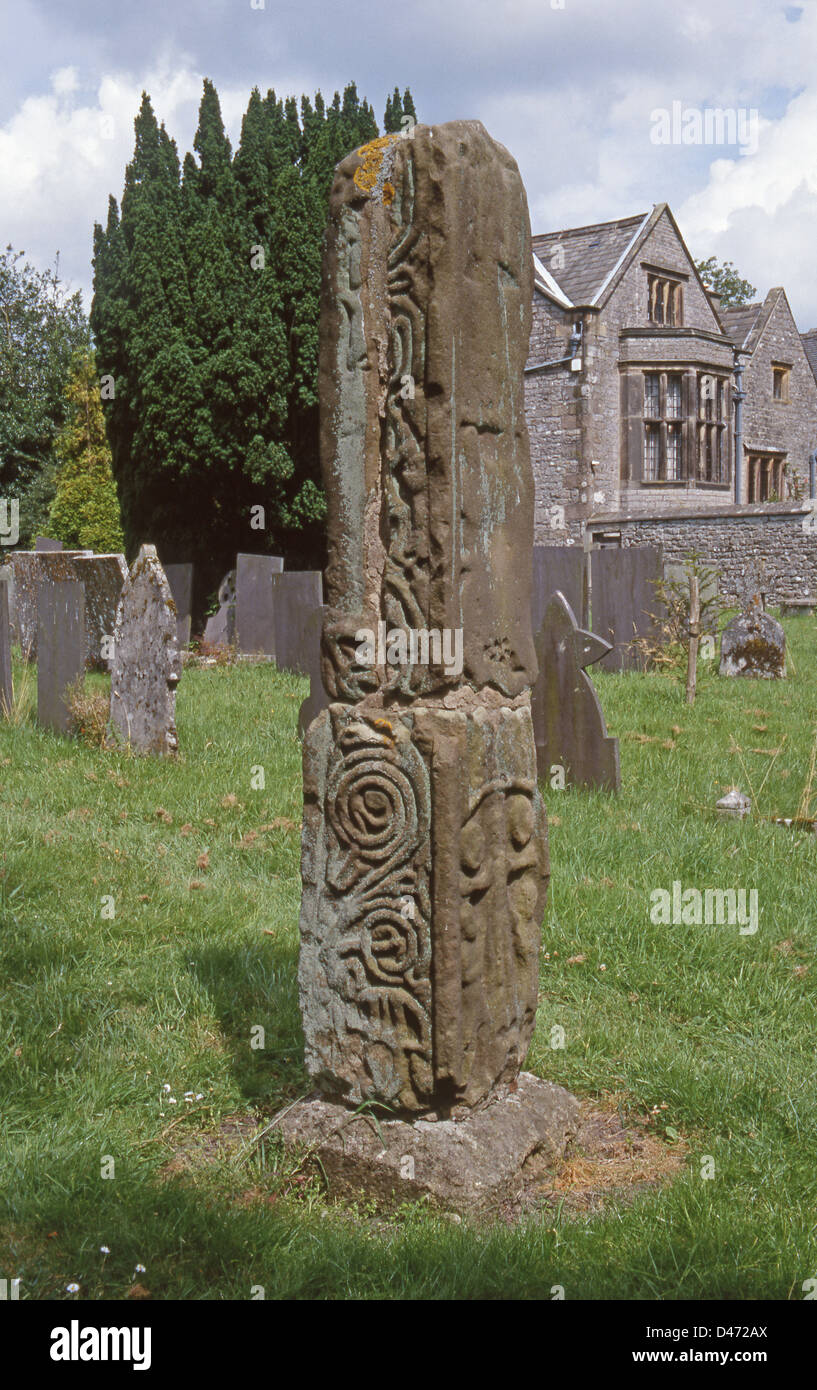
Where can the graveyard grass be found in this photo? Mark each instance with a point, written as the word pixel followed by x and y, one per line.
pixel 710 1029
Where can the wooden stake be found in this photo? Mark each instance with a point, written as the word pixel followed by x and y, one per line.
pixel 694 636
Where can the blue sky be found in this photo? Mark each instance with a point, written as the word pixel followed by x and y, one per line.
pixel 574 88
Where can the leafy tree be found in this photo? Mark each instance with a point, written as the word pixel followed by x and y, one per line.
pixel 725 281
pixel 85 510
pixel 41 324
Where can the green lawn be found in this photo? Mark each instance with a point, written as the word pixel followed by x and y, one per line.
pixel 99 1013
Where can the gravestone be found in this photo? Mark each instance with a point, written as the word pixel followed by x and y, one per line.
pixel 572 744
pixel 295 595
pixel 623 598
pixel 7 576
pixel 219 630
pixel 180 579
pixel 102 577
pixel 6 690
pixel 753 644
pixel 675 572
pixel 46 543
pixel 316 700
pixel 254 617
pixel 147 663
pixel 424 852
pixel 60 648
pixel 563 568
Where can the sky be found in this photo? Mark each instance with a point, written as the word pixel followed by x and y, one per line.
pixel 605 104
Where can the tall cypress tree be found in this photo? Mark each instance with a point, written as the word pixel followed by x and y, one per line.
pixel 205 312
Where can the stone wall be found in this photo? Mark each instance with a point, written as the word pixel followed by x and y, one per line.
pixel 788 425
pixel 552 405
pixel 735 541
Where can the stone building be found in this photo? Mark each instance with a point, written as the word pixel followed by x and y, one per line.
pixel 631 385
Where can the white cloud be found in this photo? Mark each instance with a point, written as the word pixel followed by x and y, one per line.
pixel 761 211
pixel 63 153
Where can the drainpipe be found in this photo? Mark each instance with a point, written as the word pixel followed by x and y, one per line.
pixel 574 343
pixel 739 396
pixel 812 474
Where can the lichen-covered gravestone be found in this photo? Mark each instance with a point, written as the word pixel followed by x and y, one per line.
pixel 425 861
pixel 146 663
pixel 753 644
pixel 573 747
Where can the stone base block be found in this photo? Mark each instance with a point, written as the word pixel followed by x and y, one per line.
pixel 467 1166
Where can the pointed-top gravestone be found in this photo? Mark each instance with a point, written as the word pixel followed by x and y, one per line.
pixel 46 543
pixel 146 662
pixel 572 744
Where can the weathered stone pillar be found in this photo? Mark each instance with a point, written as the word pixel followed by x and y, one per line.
pixel 425 845
pixel 425 860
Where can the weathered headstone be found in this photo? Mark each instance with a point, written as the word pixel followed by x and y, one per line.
pixel 6 690
pixel 180 579
pixel 295 595
pixel 46 543
pixel 102 577
pixel 254 617
pixel 753 644
pixel 219 630
pixel 424 843
pixel 563 568
pixel 7 575
pixel 147 663
pixel 60 648
pixel 735 804
pixel 624 600
pixel 572 744
pixel 317 699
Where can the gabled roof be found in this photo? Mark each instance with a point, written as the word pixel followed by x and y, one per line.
pixel 809 341
pixel 745 324
pixel 740 321
pixel 583 259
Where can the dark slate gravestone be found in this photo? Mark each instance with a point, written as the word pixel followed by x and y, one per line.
pixel 295 594
pixel 60 647
pixel 568 723
pixel 562 567
pixel 219 630
pixel 102 577
pixel 753 644
pixel 623 598
pixel 254 618
pixel 45 543
pixel 180 579
pixel 5 651
pixel 317 699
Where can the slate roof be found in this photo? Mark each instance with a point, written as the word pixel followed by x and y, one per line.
pixel 590 254
pixel 745 324
pixel 739 322
pixel 809 341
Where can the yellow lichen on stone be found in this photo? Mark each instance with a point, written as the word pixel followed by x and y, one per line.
pixel 366 175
